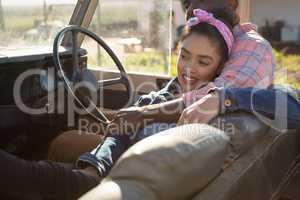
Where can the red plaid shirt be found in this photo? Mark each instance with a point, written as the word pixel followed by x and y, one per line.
pixel 251 64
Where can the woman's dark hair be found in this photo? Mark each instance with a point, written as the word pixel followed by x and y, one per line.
pixel 234 3
pixel 211 5
pixel 225 15
pixel 185 4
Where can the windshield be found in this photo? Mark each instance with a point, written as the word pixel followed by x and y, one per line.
pixel 142 33
pixel 34 22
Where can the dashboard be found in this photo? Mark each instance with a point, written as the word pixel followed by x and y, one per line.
pixel 35 68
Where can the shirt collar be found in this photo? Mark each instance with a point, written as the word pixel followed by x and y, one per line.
pixel 241 29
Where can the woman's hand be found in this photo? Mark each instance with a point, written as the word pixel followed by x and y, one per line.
pixel 132 115
pixel 110 114
pixel 202 111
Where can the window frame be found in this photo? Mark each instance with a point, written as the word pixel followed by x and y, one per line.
pixel 81 16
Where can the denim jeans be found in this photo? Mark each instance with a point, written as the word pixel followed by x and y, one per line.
pixel 107 153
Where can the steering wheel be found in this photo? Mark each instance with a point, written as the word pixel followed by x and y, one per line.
pixel 77 72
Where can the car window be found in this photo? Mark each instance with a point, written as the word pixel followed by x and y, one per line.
pixel 141 32
pixel 34 22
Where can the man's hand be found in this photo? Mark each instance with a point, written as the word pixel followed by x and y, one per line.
pixel 202 111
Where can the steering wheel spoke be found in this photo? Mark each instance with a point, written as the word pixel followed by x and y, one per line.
pixel 108 82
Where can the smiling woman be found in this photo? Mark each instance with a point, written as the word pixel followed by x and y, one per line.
pixel 199 64
pixel 196 65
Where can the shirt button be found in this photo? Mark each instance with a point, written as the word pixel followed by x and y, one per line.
pixel 227 103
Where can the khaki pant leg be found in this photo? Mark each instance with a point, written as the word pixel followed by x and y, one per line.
pixel 68 146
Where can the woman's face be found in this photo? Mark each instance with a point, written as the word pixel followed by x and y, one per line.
pixel 198 62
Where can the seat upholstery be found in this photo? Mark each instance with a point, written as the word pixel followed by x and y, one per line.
pixel 171 165
pixel 260 173
pixel 290 189
pixel 263 158
pixel 243 129
pixel 260 159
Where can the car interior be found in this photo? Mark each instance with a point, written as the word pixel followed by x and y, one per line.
pixel 264 163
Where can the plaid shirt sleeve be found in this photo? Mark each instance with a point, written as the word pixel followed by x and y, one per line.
pixel 251 64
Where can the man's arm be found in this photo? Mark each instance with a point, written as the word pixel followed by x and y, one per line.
pixel 42 179
pixel 273 104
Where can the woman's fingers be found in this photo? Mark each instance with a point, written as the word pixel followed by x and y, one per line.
pixel 111 114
